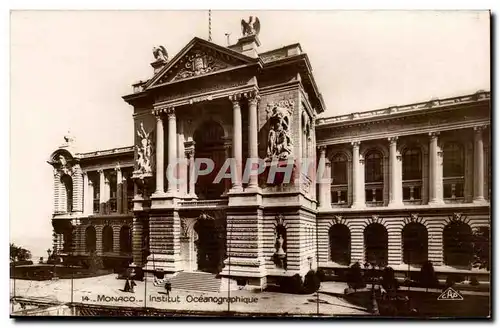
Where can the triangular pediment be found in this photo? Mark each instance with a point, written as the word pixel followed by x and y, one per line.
pixel 199 58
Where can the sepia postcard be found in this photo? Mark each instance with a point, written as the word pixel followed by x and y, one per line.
pixel 211 163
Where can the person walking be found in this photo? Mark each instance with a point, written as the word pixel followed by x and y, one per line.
pixel 168 287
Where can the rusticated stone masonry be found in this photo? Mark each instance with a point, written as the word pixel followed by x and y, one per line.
pixel 164 243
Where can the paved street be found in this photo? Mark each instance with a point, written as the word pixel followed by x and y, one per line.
pixel 105 290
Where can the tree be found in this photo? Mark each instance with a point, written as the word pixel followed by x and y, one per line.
pixel 428 277
pixel 481 246
pixel 355 277
pixel 17 253
pixel 312 282
pixel 389 281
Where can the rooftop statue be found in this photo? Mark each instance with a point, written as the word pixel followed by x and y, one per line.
pixel 252 27
pixel 160 53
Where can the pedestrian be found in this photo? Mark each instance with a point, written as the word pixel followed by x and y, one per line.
pixel 127 286
pixel 132 285
pixel 168 287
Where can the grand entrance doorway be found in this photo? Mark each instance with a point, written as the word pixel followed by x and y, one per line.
pixel 203 247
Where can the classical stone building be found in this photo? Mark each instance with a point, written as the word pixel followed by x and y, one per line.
pixel 399 184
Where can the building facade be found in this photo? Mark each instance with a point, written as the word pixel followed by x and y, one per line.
pixel 397 186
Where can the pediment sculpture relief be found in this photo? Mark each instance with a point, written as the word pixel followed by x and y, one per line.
pixel 198 63
pixel 279 139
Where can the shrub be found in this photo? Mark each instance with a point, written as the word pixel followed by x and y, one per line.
pixel 450 281
pixel 311 282
pixel 355 277
pixel 389 281
pixel 428 277
pixel 321 274
pixel 474 281
pixel 292 284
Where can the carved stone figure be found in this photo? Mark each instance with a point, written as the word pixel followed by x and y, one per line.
pixel 279 141
pixel 144 152
pixel 64 165
pixel 160 53
pixel 252 27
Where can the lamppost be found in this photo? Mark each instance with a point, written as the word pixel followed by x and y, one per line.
pixel 75 223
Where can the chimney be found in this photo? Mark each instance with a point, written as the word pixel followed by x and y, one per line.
pixel 247 45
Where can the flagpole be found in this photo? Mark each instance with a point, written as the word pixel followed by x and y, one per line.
pixel 210 25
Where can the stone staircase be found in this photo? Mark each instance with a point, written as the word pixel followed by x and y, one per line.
pixel 198 281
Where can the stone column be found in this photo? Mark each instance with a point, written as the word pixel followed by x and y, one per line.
pixel 435 170
pixel 478 165
pixel 102 188
pixel 324 187
pixel 227 150
pixel 172 148
pixel 358 178
pixel 124 192
pixel 107 194
pixel 396 183
pixel 192 173
pixel 86 195
pixel 119 190
pixel 160 172
pixel 237 142
pixel 90 196
pixel 252 137
pixel 182 170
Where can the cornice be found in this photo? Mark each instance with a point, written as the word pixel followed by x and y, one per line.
pixel 403 110
pixel 404 132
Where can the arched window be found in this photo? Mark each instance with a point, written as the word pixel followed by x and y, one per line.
pixel 339 169
pixel 412 164
pixel 376 244
pixel 107 239
pixel 90 239
pixel 68 187
pixel 414 236
pixel 453 160
pixel 373 167
pixel 374 177
pixel 125 239
pixel 412 174
pixel 340 244
pixel 457 244
pixel 339 179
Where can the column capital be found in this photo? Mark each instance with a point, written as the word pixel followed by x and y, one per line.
pixel 158 112
pixel 170 112
pixel 480 128
pixel 355 144
pixel 118 168
pixel 322 148
pixel 253 97
pixel 434 135
pixel 100 171
pixel 235 98
pixel 393 140
pixel 84 173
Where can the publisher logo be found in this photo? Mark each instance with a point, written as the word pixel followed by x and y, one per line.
pixel 450 295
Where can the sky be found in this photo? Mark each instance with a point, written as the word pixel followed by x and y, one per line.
pixel 69 70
